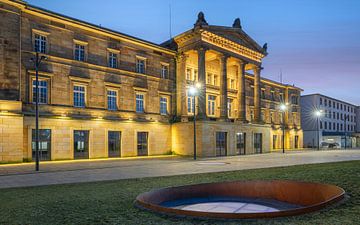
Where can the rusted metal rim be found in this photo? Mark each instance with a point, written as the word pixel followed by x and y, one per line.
pixel 307 196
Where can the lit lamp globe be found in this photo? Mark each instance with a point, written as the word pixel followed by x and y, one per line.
pixel 193 91
pixel 318 113
pixel 283 107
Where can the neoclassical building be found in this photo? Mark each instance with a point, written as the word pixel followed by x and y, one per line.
pixel 103 93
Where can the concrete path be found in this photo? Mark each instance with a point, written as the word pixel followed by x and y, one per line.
pixel 22 175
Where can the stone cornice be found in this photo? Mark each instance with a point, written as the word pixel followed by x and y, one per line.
pixel 231 46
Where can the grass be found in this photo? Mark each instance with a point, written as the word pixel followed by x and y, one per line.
pixel 112 202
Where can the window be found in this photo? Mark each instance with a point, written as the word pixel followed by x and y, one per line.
pixel 163 106
pixel 112 60
pixel 325 123
pixel 142 143
pixel 79 52
pixel 329 103
pixel 321 125
pixel 209 80
pixel 139 103
pixel 334 124
pixel 164 71
pixel 190 105
pixel 221 143
pixel 325 101
pixel 195 75
pixel 40 43
pixel 258 142
pixel 263 94
pixel 272 117
pixel 320 101
pixel 211 105
pixel 43 91
pixel 294 100
pixel 81 144
pixel 114 143
pixel 140 65
pixel 44 144
pixel 240 143
pixel 188 74
pixel 272 96
pixel 262 114
pixel 229 106
pixel 112 100
pixel 252 115
pixel 79 96
pixel 281 97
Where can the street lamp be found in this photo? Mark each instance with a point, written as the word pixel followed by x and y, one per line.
pixel 283 108
pixel 37 62
pixel 318 114
pixel 346 117
pixel 194 91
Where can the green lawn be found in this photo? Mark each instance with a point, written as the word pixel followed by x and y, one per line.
pixel 112 202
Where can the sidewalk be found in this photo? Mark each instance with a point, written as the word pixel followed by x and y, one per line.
pixel 61 172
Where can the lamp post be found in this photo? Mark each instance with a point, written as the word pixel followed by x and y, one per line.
pixel 318 114
pixel 346 117
pixel 283 108
pixel 37 62
pixel 194 91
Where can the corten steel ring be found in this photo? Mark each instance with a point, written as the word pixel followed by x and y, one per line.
pixel 307 196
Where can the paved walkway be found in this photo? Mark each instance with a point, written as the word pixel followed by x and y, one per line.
pixel 22 175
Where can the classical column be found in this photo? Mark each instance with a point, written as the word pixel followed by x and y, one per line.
pixel 241 94
pixel 202 80
pixel 223 89
pixel 181 97
pixel 257 90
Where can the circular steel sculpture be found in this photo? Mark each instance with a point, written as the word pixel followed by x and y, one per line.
pixel 248 199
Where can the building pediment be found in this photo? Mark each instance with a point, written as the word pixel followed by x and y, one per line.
pixel 226 39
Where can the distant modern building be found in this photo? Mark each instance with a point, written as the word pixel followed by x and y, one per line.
pixel 337 125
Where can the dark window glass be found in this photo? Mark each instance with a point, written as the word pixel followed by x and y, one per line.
pixel 241 143
pixel 81 144
pixel 258 142
pixel 142 143
pixel 44 144
pixel 114 143
pixel 221 143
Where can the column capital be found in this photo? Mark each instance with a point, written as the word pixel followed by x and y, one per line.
pixel 180 57
pixel 224 56
pixel 201 48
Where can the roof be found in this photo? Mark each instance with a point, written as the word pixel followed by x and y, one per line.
pixel 276 83
pixel 233 33
pixel 334 99
pixel 93 26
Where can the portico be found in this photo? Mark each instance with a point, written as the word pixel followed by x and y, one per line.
pixel 226 64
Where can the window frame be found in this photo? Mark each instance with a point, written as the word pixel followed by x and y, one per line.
pixel 80 43
pixel 143 102
pixel 44 34
pixel 167 75
pixel 116 99
pixel 167 105
pixel 138 59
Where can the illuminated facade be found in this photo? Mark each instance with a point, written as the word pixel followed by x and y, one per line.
pixel 106 94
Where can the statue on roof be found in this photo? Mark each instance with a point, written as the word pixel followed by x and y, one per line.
pixel 237 23
pixel 265 47
pixel 200 20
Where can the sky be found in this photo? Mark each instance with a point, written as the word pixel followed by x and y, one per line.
pixel 314 44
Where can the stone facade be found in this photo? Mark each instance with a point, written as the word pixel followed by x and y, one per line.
pixel 131 67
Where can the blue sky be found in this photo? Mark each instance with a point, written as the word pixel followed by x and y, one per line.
pixel 315 43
